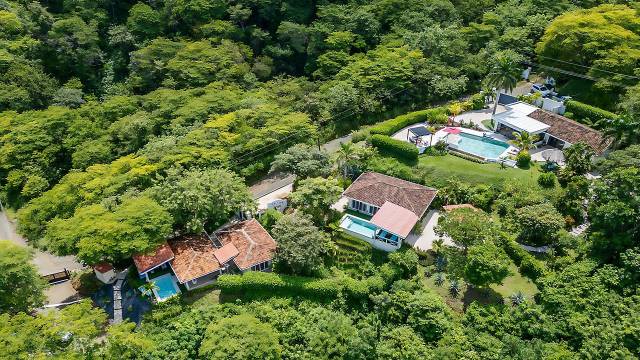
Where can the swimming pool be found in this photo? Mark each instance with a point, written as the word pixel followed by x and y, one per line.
pixel 482 146
pixel 359 226
pixel 166 287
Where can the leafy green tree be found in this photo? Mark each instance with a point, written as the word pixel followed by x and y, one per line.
pixel 505 73
pixel 202 199
pixel 314 197
pixel 144 22
pixel 148 65
pixel 401 343
pixel 240 337
pixel 303 161
pixel 579 158
pixel 21 287
pixel 123 342
pixel 77 52
pixel 467 227
pixel 539 224
pixel 301 245
pixel 486 264
pixel 96 233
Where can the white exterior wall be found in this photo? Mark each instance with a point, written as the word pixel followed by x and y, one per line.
pixel 370 209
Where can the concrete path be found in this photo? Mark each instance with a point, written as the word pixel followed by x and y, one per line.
pixel 424 241
pixel 477 116
pixel 45 262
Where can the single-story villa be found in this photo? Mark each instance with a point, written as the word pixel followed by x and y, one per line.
pixel 395 206
pixel 553 129
pixel 198 260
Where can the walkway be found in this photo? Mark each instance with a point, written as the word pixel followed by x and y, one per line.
pixel 425 240
pixel 45 262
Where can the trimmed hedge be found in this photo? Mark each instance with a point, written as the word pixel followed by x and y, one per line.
pixel 528 265
pixel 588 114
pixel 329 288
pixel 389 127
pixel 395 147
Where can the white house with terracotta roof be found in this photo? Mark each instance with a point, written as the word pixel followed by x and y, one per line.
pixel 395 206
pixel 198 260
pixel 553 129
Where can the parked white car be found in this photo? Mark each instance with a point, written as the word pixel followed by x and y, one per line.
pixel 541 89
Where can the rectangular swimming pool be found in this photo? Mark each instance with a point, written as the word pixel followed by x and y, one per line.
pixel 482 146
pixel 166 287
pixel 359 226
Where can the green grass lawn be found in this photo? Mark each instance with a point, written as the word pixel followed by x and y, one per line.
pixel 497 293
pixel 438 169
pixel 353 253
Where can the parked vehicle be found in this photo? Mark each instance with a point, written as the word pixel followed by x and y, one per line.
pixel 541 89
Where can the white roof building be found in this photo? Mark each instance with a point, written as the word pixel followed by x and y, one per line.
pixel 517 118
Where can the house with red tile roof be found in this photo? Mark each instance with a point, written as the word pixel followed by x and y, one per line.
pixel 198 260
pixel 395 207
pixel 552 129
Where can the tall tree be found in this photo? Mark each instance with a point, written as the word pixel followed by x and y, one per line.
pixel 486 264
pixel 241 337
pixel 505 72
pixel 21 287
pixel 202 199
pixel 314 197
pixel 303 161
pixel 301 246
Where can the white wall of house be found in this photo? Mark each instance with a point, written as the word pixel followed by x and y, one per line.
pixel 362 207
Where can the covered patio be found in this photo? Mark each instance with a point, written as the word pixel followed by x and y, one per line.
pixel 394 222
pixel 415 135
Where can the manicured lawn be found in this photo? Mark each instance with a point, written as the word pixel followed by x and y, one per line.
pixel 515 283
pixel 438 169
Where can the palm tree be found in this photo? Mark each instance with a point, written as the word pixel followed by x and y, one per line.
pixel 504 74
pixel 346 157
pixel 524 141
pixel 623 131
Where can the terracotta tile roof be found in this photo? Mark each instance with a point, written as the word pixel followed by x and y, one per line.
pixel 395 219
pixel 253 242
pixel 226 253
pixel 148 261
pixel 194 257
pixel 571 131
pixel 103 267
pixel 448 208
pixel 376 189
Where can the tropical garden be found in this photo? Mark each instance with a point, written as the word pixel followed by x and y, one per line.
pixel 125 122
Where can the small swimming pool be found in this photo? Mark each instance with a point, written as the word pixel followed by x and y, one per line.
pixel 482 146
pixel 166 287
pixel 359 226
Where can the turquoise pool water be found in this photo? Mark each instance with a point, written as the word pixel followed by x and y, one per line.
pixel 482 146
pixel 358 226
pixel 166 287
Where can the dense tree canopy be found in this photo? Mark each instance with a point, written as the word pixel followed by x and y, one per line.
pixel 21 287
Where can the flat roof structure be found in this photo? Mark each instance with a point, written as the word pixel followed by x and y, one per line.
pixel 420 131
pixel 395 219
pixel 517 117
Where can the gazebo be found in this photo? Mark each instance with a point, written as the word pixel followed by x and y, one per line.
pixel 418 132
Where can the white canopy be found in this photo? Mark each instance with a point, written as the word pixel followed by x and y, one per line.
pixel 516 117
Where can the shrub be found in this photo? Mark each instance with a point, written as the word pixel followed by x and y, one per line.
pixel 476 101
pixel 359 135
pixel 329 288
pixel 528 265
pixel 395 147
pixel 588 114
pixel 547 180
pixel 539 224
pixel 523 159
pixel 466 156
pixel 389 127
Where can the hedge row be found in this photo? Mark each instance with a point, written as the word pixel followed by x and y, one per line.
pixel 328 288
pixel 395 147
pixel 528 265
pixel 588 114
pixel 389 127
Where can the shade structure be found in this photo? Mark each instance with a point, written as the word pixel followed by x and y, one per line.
pixel 395 219
pixel 419 131
pixel 452 130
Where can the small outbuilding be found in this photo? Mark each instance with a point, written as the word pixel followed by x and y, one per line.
pixel 104 272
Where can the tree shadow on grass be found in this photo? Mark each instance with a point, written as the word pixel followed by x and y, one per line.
pixel 484 296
